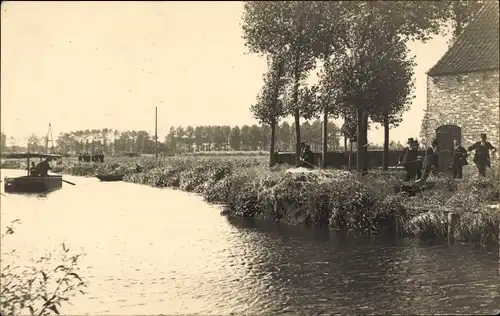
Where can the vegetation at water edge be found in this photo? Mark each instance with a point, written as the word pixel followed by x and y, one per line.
pixel 247 188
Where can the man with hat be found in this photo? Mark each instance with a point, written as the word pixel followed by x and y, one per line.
pixel 459 159
pixel 482 154
pixel 408 159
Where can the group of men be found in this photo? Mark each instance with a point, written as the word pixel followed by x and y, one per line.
pixel 414 164
pixel 95 157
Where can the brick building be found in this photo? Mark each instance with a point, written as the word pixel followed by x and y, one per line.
pixel 463 87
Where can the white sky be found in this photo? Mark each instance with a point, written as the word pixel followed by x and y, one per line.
pixel 84 65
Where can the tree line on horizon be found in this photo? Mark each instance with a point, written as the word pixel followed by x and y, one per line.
pixel 182 139
pixel 366 71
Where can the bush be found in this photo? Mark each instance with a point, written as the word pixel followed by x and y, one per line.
pixel 38 290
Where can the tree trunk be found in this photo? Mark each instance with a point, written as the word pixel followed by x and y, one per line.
pixel 271 146
pixel 365 145
pixel 349 158
pixel 325 139
pixel 360 153
pixel 362 148
pixel 345 144
pixel 385 162
pixel 297 118
pixel 297 138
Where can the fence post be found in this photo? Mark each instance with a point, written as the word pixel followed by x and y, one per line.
pixel 453 222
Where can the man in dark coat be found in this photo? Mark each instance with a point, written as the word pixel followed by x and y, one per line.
pixel 482 154
pixel 408 159
pixel 43 168
pixel 307 157
pixel 459 159
pixel 431 159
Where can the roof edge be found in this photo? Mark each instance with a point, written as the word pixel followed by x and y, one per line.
pixel 443 74
pixel 459 37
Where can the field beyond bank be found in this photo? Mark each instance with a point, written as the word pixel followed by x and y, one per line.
pixel 337 199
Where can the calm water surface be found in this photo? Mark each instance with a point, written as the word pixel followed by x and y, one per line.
pixel 153 251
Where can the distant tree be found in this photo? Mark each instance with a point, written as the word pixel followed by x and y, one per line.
pixel 226 131
pixel 190 138
pixel 208 136
pixel 234 137
pixel 171 140
pixel 179 136
pixel 333 136
pixel 3 142
pixel 285 136
pixel 396 145
pixel 66 143
pixel 255 137
pixel 13 144
pixel 198 136
pixel 218 137
pixel 34 144
pixel 245 137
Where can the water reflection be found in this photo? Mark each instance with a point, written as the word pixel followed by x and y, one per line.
pixel 315 272
pixel 152 251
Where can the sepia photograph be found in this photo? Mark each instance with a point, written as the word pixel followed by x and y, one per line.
pixel 250 158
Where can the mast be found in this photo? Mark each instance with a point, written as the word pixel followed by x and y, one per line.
pixel 51 139
pixel 156 132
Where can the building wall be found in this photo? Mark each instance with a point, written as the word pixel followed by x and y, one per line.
pixel 470 101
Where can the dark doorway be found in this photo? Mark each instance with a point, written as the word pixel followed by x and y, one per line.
pixel 445 135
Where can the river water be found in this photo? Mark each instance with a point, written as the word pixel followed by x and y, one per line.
pixel 159 251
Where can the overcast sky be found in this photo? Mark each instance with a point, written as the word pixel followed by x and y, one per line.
pixel 84 65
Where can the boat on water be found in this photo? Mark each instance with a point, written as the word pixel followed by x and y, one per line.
pixel 32 183
pixel 111 177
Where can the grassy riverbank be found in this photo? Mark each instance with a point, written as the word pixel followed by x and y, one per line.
pixel 331 198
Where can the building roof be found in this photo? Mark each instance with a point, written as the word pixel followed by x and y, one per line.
pixel 29 155
pixel 476 48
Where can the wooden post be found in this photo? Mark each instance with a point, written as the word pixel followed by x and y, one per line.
pixel 156 133
pixel 396 223
pixel 453 222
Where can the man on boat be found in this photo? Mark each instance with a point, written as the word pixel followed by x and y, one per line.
pixel 307 157
pixel 408 159
pixel 482 154
pixel 33 171
pixel 43 168
pixel 459 159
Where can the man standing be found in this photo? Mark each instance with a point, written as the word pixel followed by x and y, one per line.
pixel 408 159
pixel 430 161
pixel 459 159
pixel 482 154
